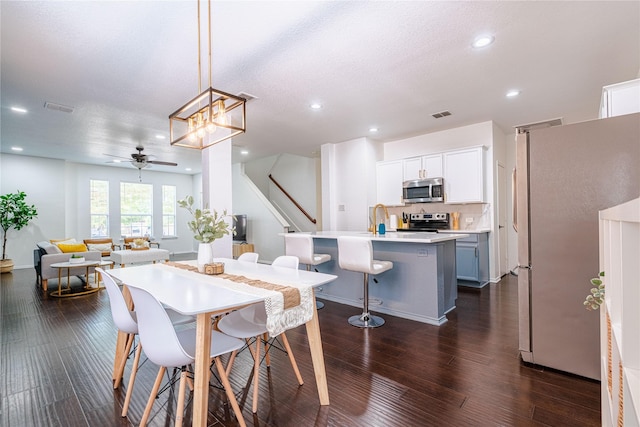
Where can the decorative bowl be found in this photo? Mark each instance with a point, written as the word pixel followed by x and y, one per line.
pixel 214 268
pixel 76 260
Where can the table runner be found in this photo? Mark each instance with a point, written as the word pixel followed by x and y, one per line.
pixel 286 306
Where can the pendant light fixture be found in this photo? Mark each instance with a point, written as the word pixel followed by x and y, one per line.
pixel 212 116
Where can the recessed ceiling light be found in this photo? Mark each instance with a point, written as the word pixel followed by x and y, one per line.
pixel 244 152
pixel 187 169
pixel 315 106
pixel 160 136
pixel 18 109
pixel 373 129
pixel 513 93
pixel 116 161
pixel 16 148
pixel 482 41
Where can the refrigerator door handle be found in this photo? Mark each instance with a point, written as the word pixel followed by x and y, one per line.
pixel 514 200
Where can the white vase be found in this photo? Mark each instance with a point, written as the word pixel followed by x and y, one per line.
pixel 205 255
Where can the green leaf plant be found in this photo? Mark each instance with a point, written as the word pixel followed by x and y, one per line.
pixel 595 299
pixel 14 213
pixel 206 225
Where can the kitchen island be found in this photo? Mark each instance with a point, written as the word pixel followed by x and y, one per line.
pixel 421 286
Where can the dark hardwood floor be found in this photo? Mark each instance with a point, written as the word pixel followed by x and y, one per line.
pixel 57 358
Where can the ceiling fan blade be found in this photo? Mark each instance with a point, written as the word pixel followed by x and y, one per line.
pixel 158 162
pixel 117 157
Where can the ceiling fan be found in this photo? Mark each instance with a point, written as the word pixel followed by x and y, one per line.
pixel 141 161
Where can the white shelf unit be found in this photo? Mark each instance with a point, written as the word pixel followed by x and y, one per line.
pixel 620 314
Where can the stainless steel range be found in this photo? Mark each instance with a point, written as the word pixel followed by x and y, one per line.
pixel 427 222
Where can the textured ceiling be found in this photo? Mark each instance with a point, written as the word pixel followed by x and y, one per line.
pixel 125 66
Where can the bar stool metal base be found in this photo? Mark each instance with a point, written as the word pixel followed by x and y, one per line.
pixel 365 320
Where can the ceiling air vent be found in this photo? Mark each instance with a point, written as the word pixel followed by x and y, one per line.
pixel 441 114
pixel 247 96
pixel 58 107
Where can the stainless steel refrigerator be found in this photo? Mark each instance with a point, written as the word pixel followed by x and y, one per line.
pixel 564 175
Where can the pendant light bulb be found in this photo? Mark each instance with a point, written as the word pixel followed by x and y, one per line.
pixel 191 132
pixel 211 126
pixel 200 125
pixel 221 117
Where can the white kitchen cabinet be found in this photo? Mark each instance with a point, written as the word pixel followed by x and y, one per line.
pixel 620 98
pixel 389 182
pixel 464 175
pixel 619 315
pixel 423 167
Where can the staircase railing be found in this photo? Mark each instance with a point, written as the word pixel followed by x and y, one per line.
pixel 313 220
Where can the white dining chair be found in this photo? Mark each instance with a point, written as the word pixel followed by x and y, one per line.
pixel 356 254
pixel 248 257
pixel 169 348
pixel 250 324
pixel 126 322
pixel 301 245
pixel 287 261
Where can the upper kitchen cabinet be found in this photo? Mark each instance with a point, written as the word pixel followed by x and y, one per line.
pixel 423 167
pixel 620 98
pixel 389 182
pixel 464 175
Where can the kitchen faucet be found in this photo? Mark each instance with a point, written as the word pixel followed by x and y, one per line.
pixel 386 213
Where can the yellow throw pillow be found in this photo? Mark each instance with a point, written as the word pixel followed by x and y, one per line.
pixel 75 247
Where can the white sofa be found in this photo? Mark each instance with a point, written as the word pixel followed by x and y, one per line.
pixel 44 256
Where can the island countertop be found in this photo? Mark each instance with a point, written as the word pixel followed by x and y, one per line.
pixel 422 285
pixel 392 236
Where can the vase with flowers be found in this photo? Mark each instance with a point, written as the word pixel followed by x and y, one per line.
pixel 207 226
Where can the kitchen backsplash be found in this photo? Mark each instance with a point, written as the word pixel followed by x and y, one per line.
pixel 480 213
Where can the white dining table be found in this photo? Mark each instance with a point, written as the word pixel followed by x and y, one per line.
pixel 202 295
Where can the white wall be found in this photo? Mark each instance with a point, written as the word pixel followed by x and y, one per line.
pixel 217 189
pixel 436 142
pixel 264 223
pixel 60 192
pixel 296 175
pixel 348 183
pixel 43 180
pixel 258 171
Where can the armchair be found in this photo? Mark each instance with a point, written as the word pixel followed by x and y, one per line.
pixel 104 245
pixel 129 240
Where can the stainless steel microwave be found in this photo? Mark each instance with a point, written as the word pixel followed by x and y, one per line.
pixel 423 190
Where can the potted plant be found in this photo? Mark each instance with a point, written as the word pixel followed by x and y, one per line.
pixel 207 226
pixel 14 213
pixel 76 259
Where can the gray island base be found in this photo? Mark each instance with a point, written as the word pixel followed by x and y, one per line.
pixel 422 285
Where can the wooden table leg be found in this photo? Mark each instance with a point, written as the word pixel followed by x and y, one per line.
pixel 201 377
pixel 60 281
pixel 317 357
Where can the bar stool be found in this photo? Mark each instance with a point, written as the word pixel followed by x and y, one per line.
pixel 356 254
pixel 301 245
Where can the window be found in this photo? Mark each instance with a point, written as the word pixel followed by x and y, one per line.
pixel 99 208
pixel 136 209
pixel 168 210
